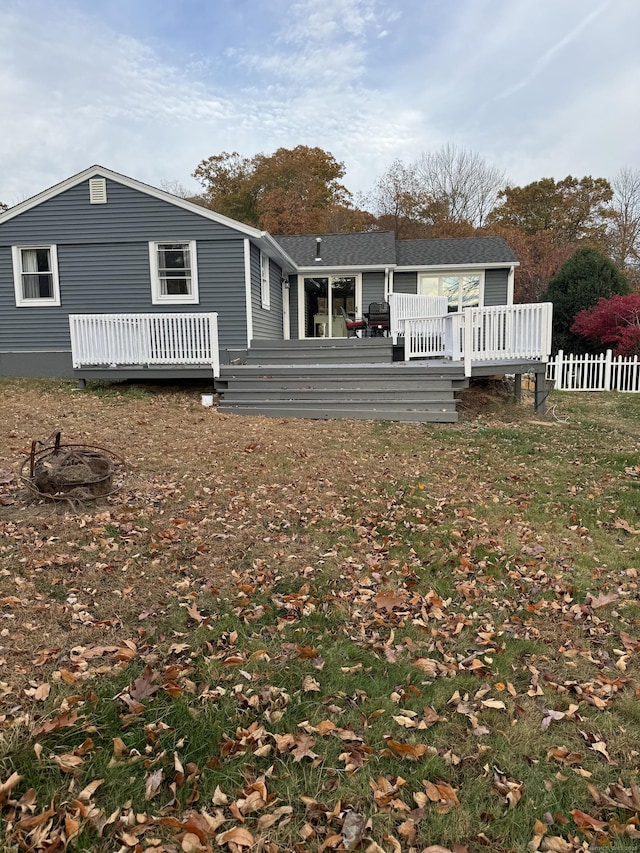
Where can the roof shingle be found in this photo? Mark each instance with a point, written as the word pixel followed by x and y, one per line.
pixel 366 248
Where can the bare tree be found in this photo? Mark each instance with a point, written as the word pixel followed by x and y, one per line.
pixel 460 186
pixel 397 199
pixel 625 224
pixel 176 188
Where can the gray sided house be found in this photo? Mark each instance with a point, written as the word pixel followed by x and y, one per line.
pixel 100 243
pixel 350 271
pixel 102 276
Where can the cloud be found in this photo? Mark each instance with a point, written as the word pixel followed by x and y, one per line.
pixel 543 61
pixel 536 87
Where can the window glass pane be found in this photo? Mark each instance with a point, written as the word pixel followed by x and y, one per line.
pixel 429 286
pixel 175 286
pixel 43 260
pixel 173 257
pixel 470 291
pixel 37 286
pixel 451 289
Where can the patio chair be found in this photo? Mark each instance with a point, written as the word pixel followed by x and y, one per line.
pixel 353 325
pixel 379 318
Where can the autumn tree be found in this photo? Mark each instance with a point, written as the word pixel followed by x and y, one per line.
pixel 612 322
pixel 571 210
pixel 229 186
pixel 586 277
pixel 539 257
pixel 291 191
pixel 457 186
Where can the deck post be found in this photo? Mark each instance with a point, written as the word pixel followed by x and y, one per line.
pixel 540 393
pixel 517 387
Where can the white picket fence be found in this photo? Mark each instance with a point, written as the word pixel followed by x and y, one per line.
pixel 602 372
pixel 99 340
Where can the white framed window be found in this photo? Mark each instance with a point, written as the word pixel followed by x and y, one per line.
pixel 462 289
pixel 174 272
pixel 35 276
pixel 265 283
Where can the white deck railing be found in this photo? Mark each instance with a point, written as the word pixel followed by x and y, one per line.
pixel 602 372
pixel 99 340
pixel 404 306
pixel 500 333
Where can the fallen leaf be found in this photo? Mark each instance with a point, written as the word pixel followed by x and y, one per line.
pixel 238 835
pixel 303 748
pixel 69 718
pixel 152 783
pixel 585 822
pixel 353 828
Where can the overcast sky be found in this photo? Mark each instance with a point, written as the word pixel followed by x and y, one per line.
pixel 539 88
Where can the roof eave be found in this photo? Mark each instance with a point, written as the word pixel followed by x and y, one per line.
pixel 345 267
pixel 456 266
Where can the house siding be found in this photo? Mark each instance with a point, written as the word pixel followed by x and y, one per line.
pixel 128 216
pixel 372 288
pixel 293 306
pixel 496 287
pixel 266 323
pixel 115 278
pixel 405 282
pixel 103 265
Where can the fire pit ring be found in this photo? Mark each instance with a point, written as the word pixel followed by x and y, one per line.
pixel 71 472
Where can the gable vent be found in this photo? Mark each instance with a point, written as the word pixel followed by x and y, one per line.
pixel 97 190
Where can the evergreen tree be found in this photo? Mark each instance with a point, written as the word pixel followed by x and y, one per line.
pixel 585 278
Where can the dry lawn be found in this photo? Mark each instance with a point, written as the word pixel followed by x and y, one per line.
pixel 483 574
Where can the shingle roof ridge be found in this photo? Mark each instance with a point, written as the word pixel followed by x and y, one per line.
pixel 333 234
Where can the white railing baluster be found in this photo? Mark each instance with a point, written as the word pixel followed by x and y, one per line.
pixel 100 340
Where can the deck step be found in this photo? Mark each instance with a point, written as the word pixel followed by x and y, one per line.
pixel 321 351
pixel 329 413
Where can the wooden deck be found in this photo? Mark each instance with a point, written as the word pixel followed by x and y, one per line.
pixel 351 378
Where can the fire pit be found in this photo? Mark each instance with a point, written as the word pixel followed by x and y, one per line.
pixel 75 472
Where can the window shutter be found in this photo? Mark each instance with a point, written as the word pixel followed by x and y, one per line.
pixel 97 190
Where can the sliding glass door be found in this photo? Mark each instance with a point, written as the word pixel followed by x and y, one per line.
pixel 326 299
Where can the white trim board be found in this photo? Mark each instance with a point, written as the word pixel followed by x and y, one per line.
pixel 247 289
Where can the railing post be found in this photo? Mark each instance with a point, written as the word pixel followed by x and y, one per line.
pixel 547 326
pixel 607 370
pixel 468 339
pixel 213 343
pixel 559 375
pixel 393 317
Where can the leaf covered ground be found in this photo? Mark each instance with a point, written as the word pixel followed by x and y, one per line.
pixel 290 635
